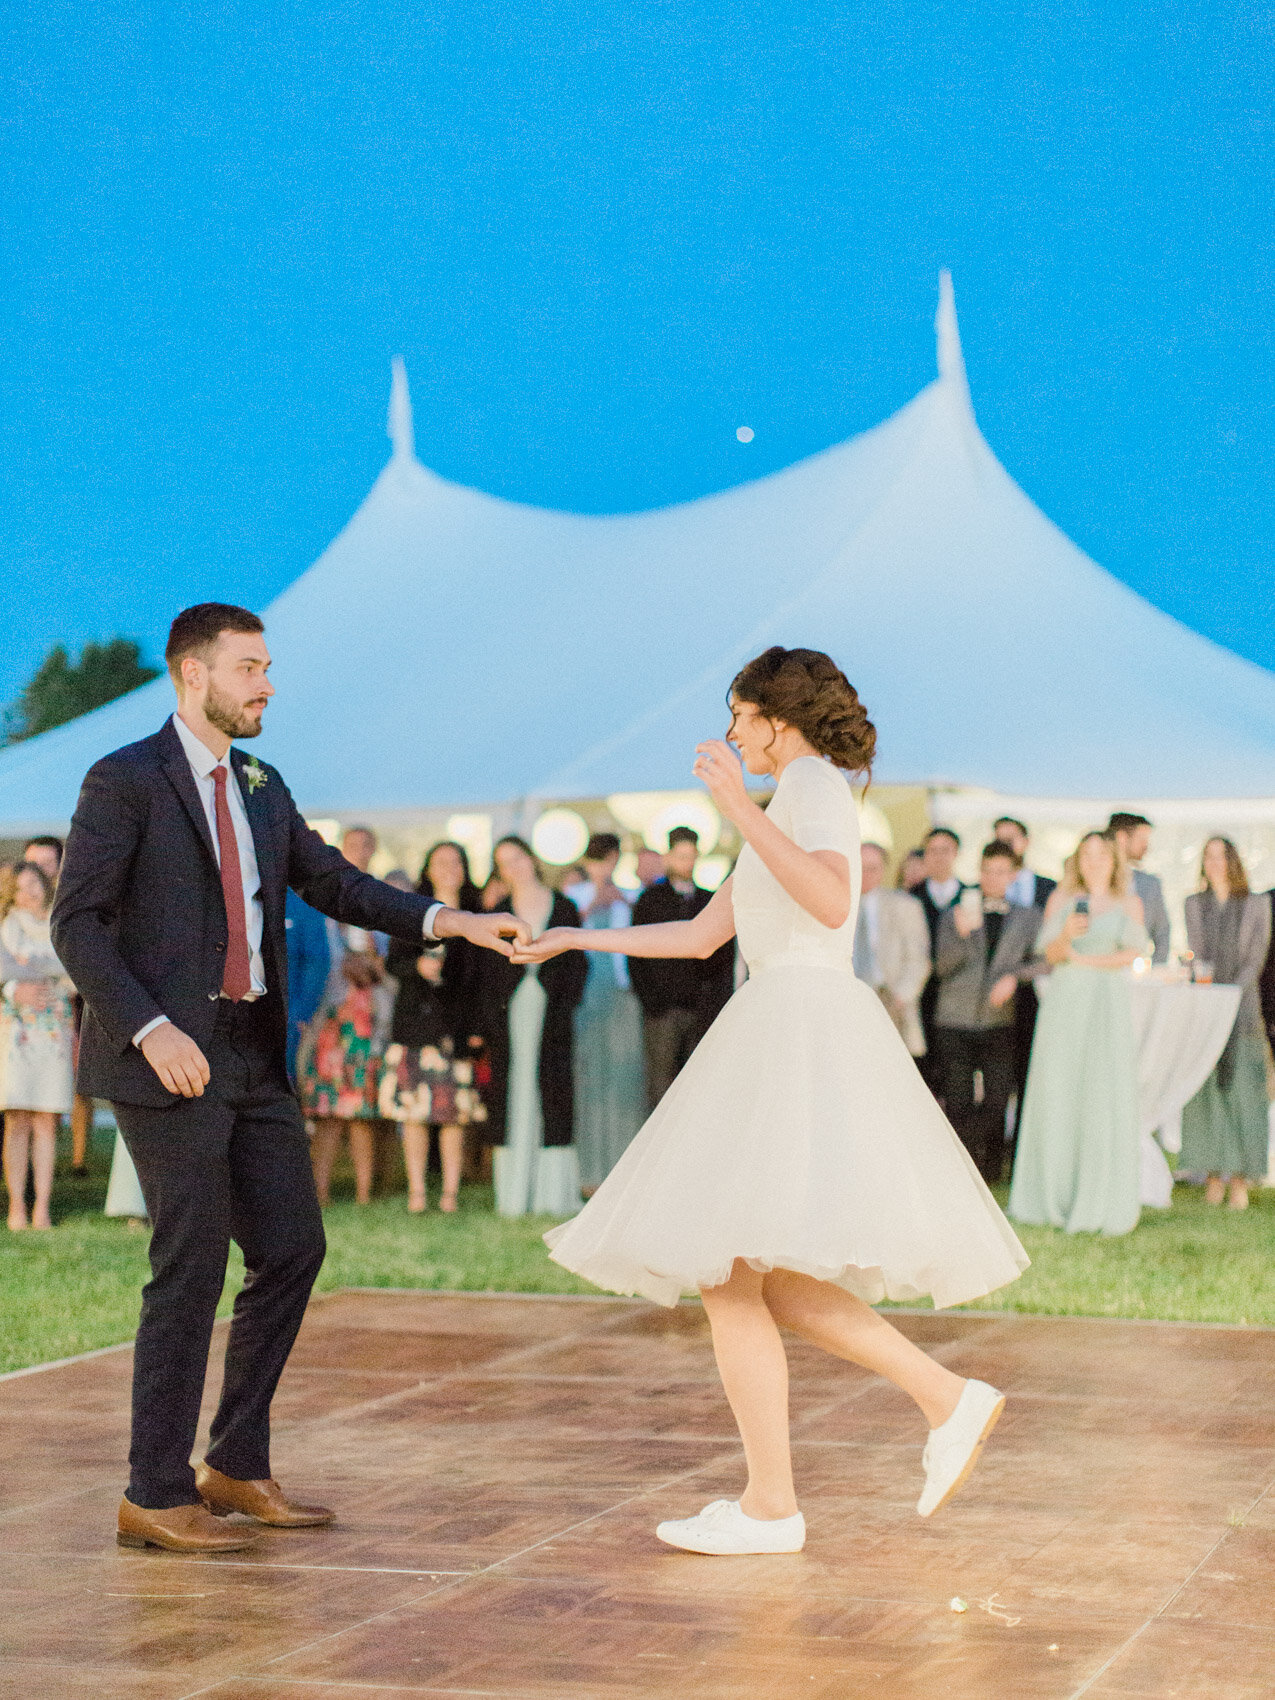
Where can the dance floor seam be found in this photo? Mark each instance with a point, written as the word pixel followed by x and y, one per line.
pixel 498 1464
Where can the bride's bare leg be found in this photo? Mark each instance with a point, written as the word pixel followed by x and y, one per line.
pixel 754 1371
pixel 838 1322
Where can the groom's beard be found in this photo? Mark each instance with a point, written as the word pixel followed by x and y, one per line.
pixel 229 716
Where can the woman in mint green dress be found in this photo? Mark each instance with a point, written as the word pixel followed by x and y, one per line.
pixel 1077 1165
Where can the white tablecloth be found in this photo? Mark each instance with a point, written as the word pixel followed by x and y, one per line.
pixel 1180 1032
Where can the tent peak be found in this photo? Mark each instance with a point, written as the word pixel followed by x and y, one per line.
pixel 400 420
pixel 951 360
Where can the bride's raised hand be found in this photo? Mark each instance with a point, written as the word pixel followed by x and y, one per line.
pixel 721 770
pixel 551 943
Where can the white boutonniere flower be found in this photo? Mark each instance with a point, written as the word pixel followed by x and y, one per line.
pixel 254 773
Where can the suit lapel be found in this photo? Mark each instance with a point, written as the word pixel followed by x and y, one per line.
pixel 177 768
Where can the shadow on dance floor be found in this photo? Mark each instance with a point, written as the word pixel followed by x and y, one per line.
pixel 498 1466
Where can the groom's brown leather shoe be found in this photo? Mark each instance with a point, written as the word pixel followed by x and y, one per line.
pixel 181 1528
pixel 263 1500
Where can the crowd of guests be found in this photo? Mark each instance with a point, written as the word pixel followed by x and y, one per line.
pixel 1007 992
pixel 1045 1089
pixel 538 1077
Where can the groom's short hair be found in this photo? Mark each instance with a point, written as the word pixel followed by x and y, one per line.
pixel 195 631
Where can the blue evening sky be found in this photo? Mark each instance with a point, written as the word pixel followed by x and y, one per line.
pixel 604 235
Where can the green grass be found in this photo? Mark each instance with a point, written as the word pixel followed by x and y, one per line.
pixel 77 1288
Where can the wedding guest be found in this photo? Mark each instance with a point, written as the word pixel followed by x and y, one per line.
pixel 1077 1165
pixel 911 870
pixel 892 948
pixel 1266 985
pixel 309 964
pixel 45 851
pixel 609 1073
pixel 1225 1129
pixel 339 1063
pixel 937 892
pixel 983 957
pixel 358 845
pixel 1033 891
pixel 1028 889
pixel 650 867
pixel 339 1057
pixel 495 893
pixel 1132 834
pixel 35 1044
pixel 681 997
pixel 428 1075
pixel 527 1016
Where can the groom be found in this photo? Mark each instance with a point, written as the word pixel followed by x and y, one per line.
pixel 170 920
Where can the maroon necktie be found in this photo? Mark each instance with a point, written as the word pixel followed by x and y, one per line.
pixel 237 980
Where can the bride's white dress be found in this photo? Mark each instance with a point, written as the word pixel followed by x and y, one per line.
pixel 799 1135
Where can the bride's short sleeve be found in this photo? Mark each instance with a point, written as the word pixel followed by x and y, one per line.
pixel 821 811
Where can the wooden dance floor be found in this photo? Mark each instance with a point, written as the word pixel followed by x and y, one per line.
pixel 498 1465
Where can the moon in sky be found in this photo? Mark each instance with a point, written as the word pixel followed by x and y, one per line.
pixel 745 433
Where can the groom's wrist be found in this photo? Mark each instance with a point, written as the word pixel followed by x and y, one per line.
pixel 150 1027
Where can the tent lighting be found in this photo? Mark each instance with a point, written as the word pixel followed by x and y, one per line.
pixel 693 811
pixel 559 837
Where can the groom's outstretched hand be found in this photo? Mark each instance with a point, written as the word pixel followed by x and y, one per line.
pixel 500 932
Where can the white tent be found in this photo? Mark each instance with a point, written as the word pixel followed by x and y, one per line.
pixel 450 648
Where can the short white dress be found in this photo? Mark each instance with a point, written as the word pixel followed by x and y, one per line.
pixel 799 1135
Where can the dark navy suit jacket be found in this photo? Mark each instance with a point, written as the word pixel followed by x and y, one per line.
pixel 139 921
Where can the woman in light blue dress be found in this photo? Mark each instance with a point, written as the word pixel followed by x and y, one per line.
pixel 1077 1165
pixel 610 1078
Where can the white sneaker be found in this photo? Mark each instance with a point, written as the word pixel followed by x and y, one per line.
pixel 723 1528
pixel 953 1448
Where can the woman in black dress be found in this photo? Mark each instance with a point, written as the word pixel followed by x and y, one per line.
pixel 528 1018
pixel 428 1074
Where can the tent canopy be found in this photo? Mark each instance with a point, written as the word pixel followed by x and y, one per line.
pixel 452 648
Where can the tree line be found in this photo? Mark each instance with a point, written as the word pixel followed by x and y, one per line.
pixel 61 689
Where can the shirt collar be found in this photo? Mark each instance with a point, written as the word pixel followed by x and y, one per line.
pixel 198 754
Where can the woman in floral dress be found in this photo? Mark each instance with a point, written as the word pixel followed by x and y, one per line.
pixel 339 1065
pixel 35 1044
pixel 428 1079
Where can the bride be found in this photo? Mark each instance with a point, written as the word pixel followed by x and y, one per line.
pixel 798 1170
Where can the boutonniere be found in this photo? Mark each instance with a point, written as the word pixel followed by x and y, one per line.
pixel 254 773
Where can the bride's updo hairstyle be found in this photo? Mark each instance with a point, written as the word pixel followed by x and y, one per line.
pixel 806 688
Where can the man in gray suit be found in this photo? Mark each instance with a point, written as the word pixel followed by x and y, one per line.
pixel 984 951
pixel 1132 834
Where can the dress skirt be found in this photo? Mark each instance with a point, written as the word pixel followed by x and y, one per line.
pixel 1226 1127
pixel 530 1177
pixel 610 1072
pixel 1078 1162
pixel 35 1056
pixel 799 1135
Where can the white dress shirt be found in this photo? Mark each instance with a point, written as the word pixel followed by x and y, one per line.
pixel 943 892
pixel 1022 888
pixel 202 762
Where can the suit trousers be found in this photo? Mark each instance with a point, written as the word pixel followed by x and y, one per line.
pixel 962 1053
pixel 667 1040
pixel 234 1164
